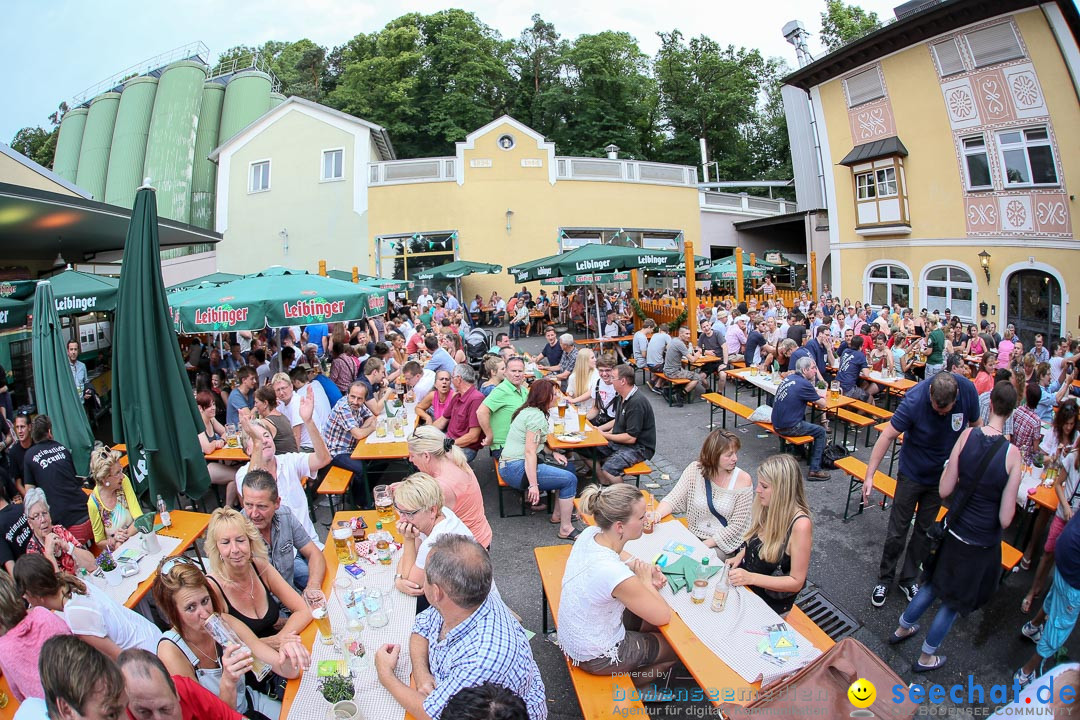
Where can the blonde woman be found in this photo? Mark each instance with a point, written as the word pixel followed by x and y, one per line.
pixel 494 370
pixel 279 426
pixel 716 495
pixel 582 381
pixel 111 528
pixel 253 590
pixel 431 452
pixel 776 557
pixel 423 517
pixel 611 605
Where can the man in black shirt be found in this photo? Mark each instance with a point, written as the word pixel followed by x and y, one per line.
pixel 552 352
pixel 17 452
pixel 14 531
pixel 49 466
pixel 755 342
pixel 797 329
pixel 631 435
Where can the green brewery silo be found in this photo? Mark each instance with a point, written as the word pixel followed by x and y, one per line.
pixel 205 172
pixel 247 97
pixel 276 99
pixel 170 149
pixel 69 143
pixel 129 140
pixel 97 141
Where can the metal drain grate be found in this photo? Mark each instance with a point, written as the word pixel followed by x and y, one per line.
pixel 835 623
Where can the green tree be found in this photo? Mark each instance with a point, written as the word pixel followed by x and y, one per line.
pixel 39 144
pixel 540 95
pixel 841 23
pixel 612 97
pixel 428 79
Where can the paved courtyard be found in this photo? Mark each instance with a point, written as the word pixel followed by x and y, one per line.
pixel 987 644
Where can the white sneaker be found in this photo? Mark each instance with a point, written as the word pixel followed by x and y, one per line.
pixel 1032 632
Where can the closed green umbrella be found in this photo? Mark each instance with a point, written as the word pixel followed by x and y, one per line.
pixel 54 386
pixel 371 280
pixel 154 411
pixel 458 269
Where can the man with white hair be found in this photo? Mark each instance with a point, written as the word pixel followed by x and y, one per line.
pixel 569 359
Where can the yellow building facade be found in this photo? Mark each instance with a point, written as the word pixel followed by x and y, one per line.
pixel 949 164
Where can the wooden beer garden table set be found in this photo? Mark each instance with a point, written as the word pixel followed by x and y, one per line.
pixel 302 700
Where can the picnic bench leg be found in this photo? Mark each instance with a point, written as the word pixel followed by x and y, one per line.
pixel 853 484
pixel 543 610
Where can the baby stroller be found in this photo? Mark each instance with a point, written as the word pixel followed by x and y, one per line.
pixel 477 343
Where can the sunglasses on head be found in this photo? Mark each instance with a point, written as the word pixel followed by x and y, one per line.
pixel 168 565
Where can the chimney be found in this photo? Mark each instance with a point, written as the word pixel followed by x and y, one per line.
pixel 612 151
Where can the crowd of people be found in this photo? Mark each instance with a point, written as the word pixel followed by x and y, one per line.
pixel 301 398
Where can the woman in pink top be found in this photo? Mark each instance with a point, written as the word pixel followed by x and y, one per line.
pixel 22 633
pixel 435 454
pixel 434 403
pixel 1005 348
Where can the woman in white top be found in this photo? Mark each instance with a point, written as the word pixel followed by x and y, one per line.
pixel 89 612
pixel 602 581
pixel 716 495
pixel 418 500
pixel 581 383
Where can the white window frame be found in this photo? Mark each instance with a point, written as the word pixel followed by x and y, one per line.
pixel 889 282
pixel 865 186
pixel 251 176
pixel 942 56
pixel 322 165
pixel 996 61
pixel 968 152
pixel 887 183
pixel 949 284
pixel 871 94
pixel 1024 144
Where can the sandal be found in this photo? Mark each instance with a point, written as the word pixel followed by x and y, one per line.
pixel 1026 603
pixel 573 518
pixel 1025 563
pixel 938 661
pixel 571 537
pixel 896 639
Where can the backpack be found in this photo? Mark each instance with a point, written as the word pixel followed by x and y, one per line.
pixel 831 454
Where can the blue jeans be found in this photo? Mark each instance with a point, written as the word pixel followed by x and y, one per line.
pixel 939 628
pixel 470 454
pixel 813 430
pixel 932 370
pixel 300 573
pixel 359 492
pixel 548 477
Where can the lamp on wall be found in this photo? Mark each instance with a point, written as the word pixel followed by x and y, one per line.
pixel 984 260
pixel 509 214
pixel 59 262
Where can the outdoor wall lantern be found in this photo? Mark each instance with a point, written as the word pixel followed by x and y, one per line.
pixel 984 260
pixel 509 214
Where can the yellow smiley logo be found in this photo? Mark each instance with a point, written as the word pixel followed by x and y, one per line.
pixel 862 693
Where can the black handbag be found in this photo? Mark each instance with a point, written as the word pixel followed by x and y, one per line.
pixel 935 534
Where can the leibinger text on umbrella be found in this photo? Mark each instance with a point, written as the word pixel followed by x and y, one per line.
pixel 313 308
pixel 376 302
pixel 220 315
pixel 4 316
pixel 71 302
pixel 592 264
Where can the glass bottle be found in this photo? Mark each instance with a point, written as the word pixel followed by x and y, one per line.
pixel 701 583
pixel 720 591
pixel 382 545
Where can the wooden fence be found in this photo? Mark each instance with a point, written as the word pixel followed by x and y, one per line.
pixel 665 310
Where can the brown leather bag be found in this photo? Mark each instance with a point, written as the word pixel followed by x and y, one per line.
pixel 823 686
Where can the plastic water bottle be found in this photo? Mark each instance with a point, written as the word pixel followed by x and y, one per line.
pixel 163 510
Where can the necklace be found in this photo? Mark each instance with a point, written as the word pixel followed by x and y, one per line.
pixel 995 429
pixel 251 588
pixel 196 648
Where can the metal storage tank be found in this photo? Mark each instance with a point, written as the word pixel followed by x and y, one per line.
pixel 69 143
pixel 170 147
pixel 276 99
pixel 247 96
pixel 97 140
pixel 129 140
pixel 205 173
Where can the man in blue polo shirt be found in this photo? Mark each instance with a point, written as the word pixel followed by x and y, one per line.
pixel 852 363
pixel 789 412
pixel 932 416
pixel 820 348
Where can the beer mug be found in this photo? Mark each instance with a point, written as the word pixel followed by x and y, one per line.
pixel 384 503
pixel 834 391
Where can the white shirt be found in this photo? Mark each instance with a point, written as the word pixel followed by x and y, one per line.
pixel 451 525
pixel 424 385
pixel 32 708
pixel 590 619
pixel 292 411
pixel 290 468
pixel 98 615
pixel 319 414
pixel 424 300
pixel 406 329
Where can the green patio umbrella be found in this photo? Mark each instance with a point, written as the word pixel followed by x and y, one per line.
pixel 371 280
pixel 601 279
pixel 77 292
pixel 13 313
pixel 154 411
pixel 597 258
pixel 726 270
pixel 458 269
pixel 275 297
pixel 211 280
pixel 54 386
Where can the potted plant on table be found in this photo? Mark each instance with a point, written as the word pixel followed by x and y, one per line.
pixel 338 690
pixel 109 569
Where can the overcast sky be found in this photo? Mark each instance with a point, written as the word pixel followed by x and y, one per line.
pixel 55 50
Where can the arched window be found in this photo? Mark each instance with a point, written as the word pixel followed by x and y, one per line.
pixel 949 286
pixel 887 284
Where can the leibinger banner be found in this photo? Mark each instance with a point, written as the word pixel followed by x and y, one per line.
pixel 70 302
pixel 313 309
pixel 6 289
pixel 221 315
pixel 376 303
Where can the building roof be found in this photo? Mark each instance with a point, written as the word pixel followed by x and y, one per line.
pixel 885 147
pixel 912 29
pixel 34 224
pixel 43 171
pixel 378 133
